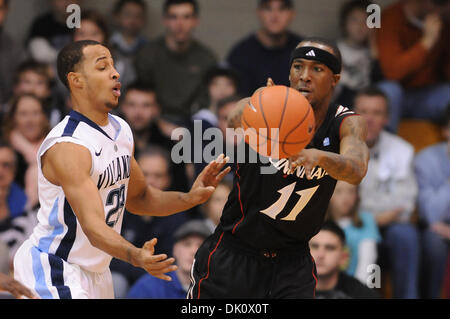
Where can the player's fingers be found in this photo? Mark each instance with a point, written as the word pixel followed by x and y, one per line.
pixel 161 271
pixel 211 167
pixel 150 245
pixel 23 291
pixel 156 258
pixel 221 164
pixel 222 174
pixel 308 169
pixel 270 82
pixel 158 263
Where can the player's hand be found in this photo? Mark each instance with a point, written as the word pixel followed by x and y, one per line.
pixel 155 265
pixel 15 288
pixel 270 82
pixel 208 179
pixel 308 158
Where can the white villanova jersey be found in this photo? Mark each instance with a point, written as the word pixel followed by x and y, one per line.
pixel 58 232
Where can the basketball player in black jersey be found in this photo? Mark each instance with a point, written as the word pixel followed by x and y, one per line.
pixel 260 248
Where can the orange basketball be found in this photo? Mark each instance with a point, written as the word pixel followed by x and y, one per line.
pixel 278 121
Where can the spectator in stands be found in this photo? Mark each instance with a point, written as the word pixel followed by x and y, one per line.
pixel 130 18
pixel 10 55
pixel 93 26
pixel 212 209
pixel 388 191
pixel 15 230
pixel 140 108
pixel 224 107
pixel 414 54
pixel 176 63
pixel 221 82
pixel 361 230
pixel 357 45
pixel 328 251
pixel 35 78
pixel 25 127
pixel 12 198
pixel 188 238
pixel 155 164
pixel 266 53
pixel 432 166
pixel 49 32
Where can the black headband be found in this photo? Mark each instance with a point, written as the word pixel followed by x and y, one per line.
pixel 316 54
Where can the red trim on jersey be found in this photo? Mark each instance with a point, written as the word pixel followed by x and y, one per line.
pixel 315 278
pixel 343 122
pixel 209 259
pixel 240 201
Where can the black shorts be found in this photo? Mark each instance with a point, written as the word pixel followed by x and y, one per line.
pixel 224 267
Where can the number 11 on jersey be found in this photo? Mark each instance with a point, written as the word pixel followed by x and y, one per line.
pixel 305 195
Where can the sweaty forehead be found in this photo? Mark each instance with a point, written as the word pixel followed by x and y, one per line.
pixel 315 45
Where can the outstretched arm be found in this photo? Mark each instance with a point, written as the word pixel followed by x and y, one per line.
pixel 68 165
pixel 147 200
pixel 350 164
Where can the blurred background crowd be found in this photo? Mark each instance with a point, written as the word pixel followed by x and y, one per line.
pixel 396 76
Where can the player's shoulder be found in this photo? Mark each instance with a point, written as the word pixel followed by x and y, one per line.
pixel 123 124
pixel 59 128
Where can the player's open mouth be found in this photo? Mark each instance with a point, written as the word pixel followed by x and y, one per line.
pixel 116 89
pixel 304 91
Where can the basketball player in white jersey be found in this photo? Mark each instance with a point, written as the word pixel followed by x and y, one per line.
pixel 87 176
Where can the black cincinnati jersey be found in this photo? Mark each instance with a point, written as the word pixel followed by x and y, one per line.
pixel 279 210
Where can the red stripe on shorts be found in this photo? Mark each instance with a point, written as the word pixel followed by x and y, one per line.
pixel 209 260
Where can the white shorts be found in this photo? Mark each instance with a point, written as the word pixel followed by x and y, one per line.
pixel 50 277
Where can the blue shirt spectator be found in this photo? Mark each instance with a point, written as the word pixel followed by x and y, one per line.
pixel 17 199
pixel 154 288
pixel 355 237
pixel 188 238
pixel 432 167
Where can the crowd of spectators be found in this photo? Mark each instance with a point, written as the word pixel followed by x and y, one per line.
pixel 397 218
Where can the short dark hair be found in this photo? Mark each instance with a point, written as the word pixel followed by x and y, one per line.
pixel 348 7
pixel 335 229
pixel 327 42
pixel 99 20
pixel 34 66
pixel 69 57
pixel 169 3
pixel 373 91
pixel 227 100
pixel 141 87
pixel 152 150
pixel 121 3
pixel 220 70
pixel 287 3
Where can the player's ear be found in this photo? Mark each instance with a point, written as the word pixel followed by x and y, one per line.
pixel 75 80
pixel 336 78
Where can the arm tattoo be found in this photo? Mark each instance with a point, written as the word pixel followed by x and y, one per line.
pixel 351 164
